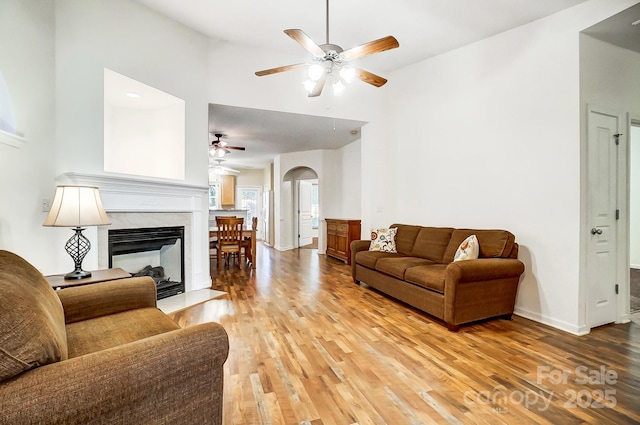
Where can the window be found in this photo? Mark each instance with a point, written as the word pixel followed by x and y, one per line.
pixel 314 206
pixel 248 200
pixel 214 195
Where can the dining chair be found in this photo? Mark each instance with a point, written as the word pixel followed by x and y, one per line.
pixel 213 239
pixel 229 238
pixel 246 242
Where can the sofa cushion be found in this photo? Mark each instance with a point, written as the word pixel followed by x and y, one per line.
pixel 383 240
pixel 430 276
pixel 492 243
pixel 369 258
pixel 431 243
pixel 88 336
pixel 396 266
pixel 32 328
pixel 406 237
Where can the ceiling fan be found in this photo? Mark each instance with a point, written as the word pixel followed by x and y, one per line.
pixel 220 169
pixel 329 58
pixel 220 148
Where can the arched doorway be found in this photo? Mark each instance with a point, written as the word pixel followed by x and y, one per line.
pixel 301 199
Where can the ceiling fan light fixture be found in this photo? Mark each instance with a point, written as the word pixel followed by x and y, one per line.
pixel 309 85
pixel 315 71
pixel 329 57
pixel 338 88
pixel 348 74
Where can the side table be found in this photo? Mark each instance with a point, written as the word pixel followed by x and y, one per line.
pixel 57 281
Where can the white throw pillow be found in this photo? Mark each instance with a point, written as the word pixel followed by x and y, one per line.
pixel 468 249
pixel 383 240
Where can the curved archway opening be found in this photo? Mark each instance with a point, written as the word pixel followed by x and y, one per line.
pixel 300 198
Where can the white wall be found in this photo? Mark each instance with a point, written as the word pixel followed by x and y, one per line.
pixel 634 201
pixel 251 178
pixel 52 55
pixel 489 137
pixel 130 39
pixel 27 59
pixel 351 181
pixel 145 142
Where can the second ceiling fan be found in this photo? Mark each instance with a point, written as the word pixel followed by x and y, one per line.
pixel 330 59
pixel 220 148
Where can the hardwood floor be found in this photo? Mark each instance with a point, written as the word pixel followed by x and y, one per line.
pixel 308 346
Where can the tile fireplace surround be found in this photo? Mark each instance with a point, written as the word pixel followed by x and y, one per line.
pixel 132 203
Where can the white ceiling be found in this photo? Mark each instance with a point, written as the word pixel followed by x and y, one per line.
pixel 424 28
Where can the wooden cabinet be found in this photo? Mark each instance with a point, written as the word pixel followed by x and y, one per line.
pixel 228 191
pixel 340 233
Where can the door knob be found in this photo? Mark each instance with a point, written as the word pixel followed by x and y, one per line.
pixel 595 231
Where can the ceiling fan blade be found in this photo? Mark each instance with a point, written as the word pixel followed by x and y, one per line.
pixel 317 89
pixel 281 69
pixel 305 41
pixel 238 148
pixel 385 43
pixel 370 78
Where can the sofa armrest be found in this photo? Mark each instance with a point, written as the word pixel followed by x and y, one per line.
pixel 483 269
pixel 147 381
pixel 357 246
pixel 479 289
pixel 101 299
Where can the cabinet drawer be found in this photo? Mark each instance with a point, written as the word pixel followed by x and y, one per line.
pixel 331 228
pixel 342 229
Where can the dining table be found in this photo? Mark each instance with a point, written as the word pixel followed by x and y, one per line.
pixel 247 231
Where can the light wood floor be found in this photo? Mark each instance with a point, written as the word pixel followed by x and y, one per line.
pixel 307 346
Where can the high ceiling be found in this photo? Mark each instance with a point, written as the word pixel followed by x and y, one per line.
pixel 424 28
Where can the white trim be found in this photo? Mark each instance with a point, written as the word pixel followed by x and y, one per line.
pixel 12 139
pixel 550 321
pixel 123 183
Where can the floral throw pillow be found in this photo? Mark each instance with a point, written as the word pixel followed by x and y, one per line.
pixel 468 249
pixel 383 240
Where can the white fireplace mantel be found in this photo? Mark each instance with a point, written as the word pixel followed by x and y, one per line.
pixel 129 200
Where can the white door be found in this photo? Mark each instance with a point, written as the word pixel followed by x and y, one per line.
pixel 266 215
pixel 305 226
pixel 603 188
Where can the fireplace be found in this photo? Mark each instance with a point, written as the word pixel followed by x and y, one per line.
pixel 135 203
pixel 157 252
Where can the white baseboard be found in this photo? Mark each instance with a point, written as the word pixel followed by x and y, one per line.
pixel 550 321
pixel 635 266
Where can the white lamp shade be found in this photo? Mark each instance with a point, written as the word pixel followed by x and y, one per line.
pixel 76 206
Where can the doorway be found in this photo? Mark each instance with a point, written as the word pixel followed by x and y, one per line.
pixel 634 216
pixel 308 214
pixel 303 183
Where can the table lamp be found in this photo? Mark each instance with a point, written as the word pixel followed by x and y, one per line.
pixel 77 206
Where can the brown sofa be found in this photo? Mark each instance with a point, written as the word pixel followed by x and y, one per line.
pixel 423 274
pixel 102 354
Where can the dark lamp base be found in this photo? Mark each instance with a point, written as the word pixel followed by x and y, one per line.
pixel 77 275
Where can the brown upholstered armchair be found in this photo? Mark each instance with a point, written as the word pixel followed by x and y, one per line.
pixel 102 354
